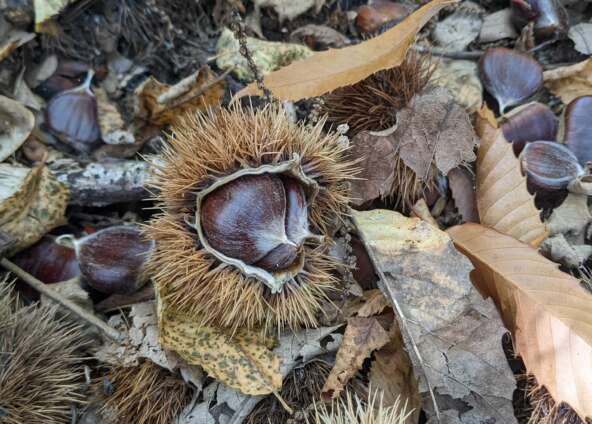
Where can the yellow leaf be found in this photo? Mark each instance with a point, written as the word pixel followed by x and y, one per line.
pixel 46 9
pixel 569 82
pixel 547 311
pixel 503 201
pixel 32 202
pixel 325 71
pixel 241 361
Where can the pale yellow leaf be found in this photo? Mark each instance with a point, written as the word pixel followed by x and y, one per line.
pixel 547 310
pixel 325 71
pixel 569 82
pixel 242 361
pixel 503 201
pixel 46 9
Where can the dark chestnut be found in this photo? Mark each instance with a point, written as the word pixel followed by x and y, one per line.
pixel 534 122
pixel 112 260
pixel 578 128
pixel 68 74
pixel 549 165
pixel 549 16
pixel 72 116
pixel 48 261
pixel 372 17
pixel 261 220
pixel 509 76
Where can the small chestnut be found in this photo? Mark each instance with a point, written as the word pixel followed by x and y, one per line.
pixel 549 165
pixel 261 220
pixel 49 261
pixel 578 128
pixel 533 122
pixel 67 75
pixel 509 76
pixel 372 17
pixel 72 116
pixel 112 260
pixel 549 16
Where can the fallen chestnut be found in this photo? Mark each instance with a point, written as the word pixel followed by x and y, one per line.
pixel 68 74
pixel 372 17
pixel 112 260
pixel 578 128
pixel 269 235
pixel 533 122
pixel 549 16
pixel 509 76
pixel 48 261
pixel 549 165
pixel 72 116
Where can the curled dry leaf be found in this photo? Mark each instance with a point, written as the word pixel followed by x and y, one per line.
pixel 452 334
pixel 462 187
pixel 547 311
pixel 569 82
pixel 503 201
pixel 325 71
pixel 32 202
pixel 581 35
pixel 110 121
pixel 362 336
pixel 391 374
pixel 434 129
pixel 16 123
pixel 242 361
pixel 13 40
pixel 162 104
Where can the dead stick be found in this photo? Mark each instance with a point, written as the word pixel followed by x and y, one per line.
pixel 110 332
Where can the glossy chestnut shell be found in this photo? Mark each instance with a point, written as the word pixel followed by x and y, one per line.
pixel 510 76
pixel 535 122
pixel 549 16
pixel 578 128
pixel 549 165
pixel 261 220
pixel 112 260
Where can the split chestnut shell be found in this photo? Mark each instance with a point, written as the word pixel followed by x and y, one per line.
pixel 549 165
pixel 510 76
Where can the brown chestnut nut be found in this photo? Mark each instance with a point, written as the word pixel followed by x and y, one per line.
pixel 578 128
pixel 534 122
pixel 549 16
pixel 68 74
pixel 112 260
pixel 72 117
pixel 261 220
pixel 509 76
pixel 49 261
pixel 549 165
pixel 372 17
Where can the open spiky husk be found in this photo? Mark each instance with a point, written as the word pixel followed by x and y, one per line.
pixel 545 410
pixel 40 367
pixel 146 394
pixel 372 105
pixel 204 147
pixel 354 410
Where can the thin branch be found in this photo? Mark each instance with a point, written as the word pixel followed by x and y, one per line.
pixel 46 290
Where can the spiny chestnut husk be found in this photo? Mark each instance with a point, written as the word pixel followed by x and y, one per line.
pixel 249 200
pixel 510 76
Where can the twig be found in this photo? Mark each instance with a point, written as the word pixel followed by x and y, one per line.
pixel 435 51
pixel 110 332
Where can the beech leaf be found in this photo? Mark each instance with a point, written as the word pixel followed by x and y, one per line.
pixel 569 82
pixel 325 71
pixel 546 309
pixel 503 201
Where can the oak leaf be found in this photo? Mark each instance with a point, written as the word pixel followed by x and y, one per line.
pixel 362 336
pixel 325 71
pixel 547 311
pixel 503 200
pixel 569 82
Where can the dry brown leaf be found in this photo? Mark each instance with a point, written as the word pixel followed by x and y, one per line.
pixel 162 104
pixel 362 336
pixel 452 334
pixel 569 82
pixel 503 201
pixel 13 40
pixel 462 187
pixel 391 373
pixel 325 71
pixel 377 156
pixel 375 303
pixel 546 310
pixel 434 129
